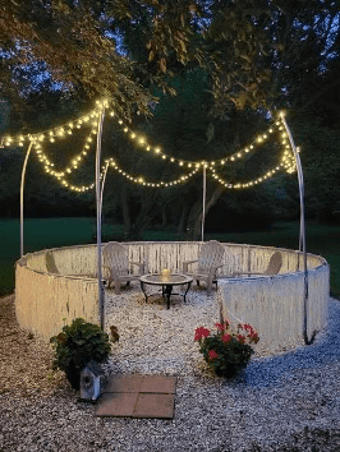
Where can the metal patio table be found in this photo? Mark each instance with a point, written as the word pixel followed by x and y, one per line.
pixel 167 283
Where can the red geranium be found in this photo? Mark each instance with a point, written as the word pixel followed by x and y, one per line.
pixel 241 339
pixel 213 354
pixel 201 332
pixel 227 352
pixel 226 338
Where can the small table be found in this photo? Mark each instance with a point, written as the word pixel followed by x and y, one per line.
pixel 167 283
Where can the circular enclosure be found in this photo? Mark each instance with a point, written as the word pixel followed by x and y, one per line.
pixel 55 286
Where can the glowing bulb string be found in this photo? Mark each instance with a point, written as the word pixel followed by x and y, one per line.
pixel 76 161
pixel 140 180
pixel 141 141
pixel 287 163
pixel 54 133
pixel 248 184
pixel 288 160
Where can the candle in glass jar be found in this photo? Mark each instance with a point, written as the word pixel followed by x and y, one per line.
pixel 165 272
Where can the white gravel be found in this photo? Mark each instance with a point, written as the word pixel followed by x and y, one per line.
pixel 275 397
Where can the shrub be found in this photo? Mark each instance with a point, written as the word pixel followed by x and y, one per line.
pixel 226 352
pixel 76 345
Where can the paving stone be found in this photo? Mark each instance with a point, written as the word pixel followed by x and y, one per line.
pixel 117 404
pixel 158 384
pixel 160 406
pixel 124 383
pixel 149 396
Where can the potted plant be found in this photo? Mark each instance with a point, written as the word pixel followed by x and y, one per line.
pixel 227 352
pixel 76 346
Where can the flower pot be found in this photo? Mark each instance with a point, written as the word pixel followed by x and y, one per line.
pixel 227 373
pixel 73 376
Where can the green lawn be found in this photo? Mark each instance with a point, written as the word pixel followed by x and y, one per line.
pixel 55 232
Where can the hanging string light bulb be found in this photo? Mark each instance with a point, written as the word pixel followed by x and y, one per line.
pixel 141 141
pixel 287 162
pixel 140 180
pixel 58 132
pixel 75 162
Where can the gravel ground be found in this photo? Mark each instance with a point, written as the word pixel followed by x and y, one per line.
pixel 286 402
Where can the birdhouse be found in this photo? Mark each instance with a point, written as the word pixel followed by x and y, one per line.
pixel 90 381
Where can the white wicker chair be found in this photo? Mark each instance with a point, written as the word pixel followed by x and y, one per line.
pixel 211 257
pixel 115 259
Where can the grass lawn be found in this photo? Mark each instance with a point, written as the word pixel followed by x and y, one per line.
pixel 55 232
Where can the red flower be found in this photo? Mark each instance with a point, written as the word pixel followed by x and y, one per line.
pixel 226 338
pixel 201 332
pixel 241 338
pixel 212 354
pixel 254 337
pixel 220 326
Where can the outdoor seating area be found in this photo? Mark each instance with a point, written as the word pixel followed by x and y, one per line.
pixel 263 285
pixel 210 259
pixel 115 259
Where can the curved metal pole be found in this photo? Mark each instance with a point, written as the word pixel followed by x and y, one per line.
pixel 103 184
pixel 204 198
pixel 302 237
pixel 99 221
pixel 22 185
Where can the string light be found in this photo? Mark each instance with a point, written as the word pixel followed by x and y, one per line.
pixel 76 160
pixel 259 180
pixel 60 177
pixel 141 141
pixel 56 132
pixel 287 163
pixel 140 180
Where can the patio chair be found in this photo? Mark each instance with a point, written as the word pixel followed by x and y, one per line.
pixel 50 263
pixel 210 258
pixel 115 259
pixel 274 266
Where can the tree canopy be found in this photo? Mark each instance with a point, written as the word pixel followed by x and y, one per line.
pixel 228 61
pixel 77 43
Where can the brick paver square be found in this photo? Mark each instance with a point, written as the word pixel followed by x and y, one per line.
pixel 117 404
pixel 148 396
pixel 124 383
pixel 158 384
pixel 160 406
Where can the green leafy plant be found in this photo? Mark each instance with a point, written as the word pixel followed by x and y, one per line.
pixel 227 352
pixel 76 345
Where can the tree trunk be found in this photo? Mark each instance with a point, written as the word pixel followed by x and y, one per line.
pixel 197 227
pixel 126 214
pixel 147 213
pixel 164 218
pixel 181 228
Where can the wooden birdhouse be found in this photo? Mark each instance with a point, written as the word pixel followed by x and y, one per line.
pixel 90 381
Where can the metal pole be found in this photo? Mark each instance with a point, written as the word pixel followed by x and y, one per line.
pixel 204 197
pixel 99 221
pixel 302 237
pixel 103 184
pixel 22 184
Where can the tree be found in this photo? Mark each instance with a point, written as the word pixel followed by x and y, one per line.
pixel 244 51
pixel 75 43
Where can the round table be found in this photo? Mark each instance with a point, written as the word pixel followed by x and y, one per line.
pixel 167 283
